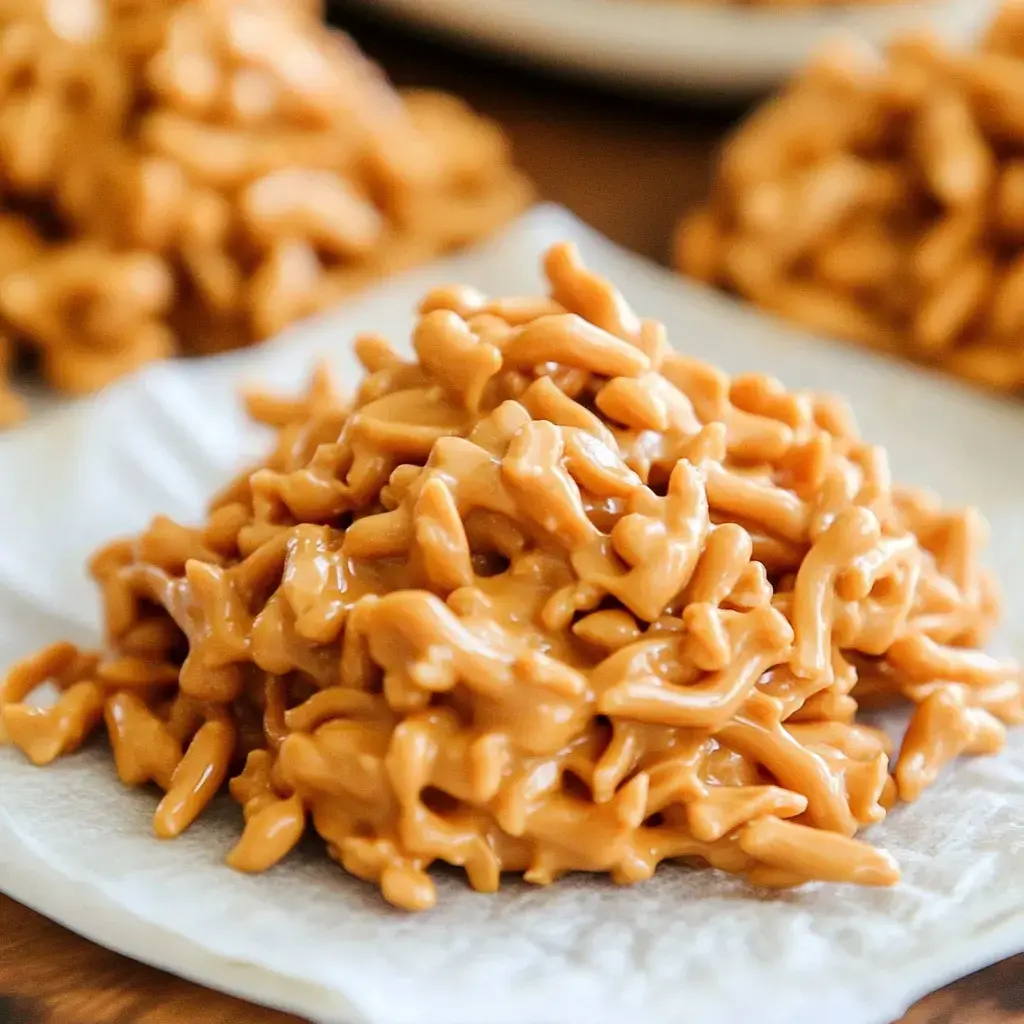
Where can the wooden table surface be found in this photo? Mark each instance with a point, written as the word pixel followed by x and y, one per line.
pixel 628 167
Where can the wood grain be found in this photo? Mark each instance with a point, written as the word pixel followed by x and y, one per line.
pixel 628 167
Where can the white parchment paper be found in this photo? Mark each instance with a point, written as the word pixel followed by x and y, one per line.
pixel 687 947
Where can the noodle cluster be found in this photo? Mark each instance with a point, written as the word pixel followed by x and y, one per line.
pixel 193 175
pixel 880 199
pixel 552 597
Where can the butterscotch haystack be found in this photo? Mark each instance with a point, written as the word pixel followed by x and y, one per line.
pixel 881 200
pixel 193 175
pixel 552 597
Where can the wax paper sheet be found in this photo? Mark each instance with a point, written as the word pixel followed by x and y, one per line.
pixel 690 946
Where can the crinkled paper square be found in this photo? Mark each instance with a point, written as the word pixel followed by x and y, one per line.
pixel 690 946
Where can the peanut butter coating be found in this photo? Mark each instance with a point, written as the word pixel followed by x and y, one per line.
pixel 194 175
pixel 551 597
pixel 879 198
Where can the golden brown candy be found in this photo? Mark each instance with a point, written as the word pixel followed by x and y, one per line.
pixel 881 200
pixel 508 611
pixel 202 173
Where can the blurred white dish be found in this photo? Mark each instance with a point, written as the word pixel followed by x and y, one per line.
pixel 688 946
pixel 674 45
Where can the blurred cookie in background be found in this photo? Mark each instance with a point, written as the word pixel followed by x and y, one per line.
pixel 880 199
pixel 193 176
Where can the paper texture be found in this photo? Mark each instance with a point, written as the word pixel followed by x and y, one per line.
pixel 687 947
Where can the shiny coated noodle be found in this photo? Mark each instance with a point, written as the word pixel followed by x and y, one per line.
pixel 880 199
pixel 552 597
pixel 194 175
